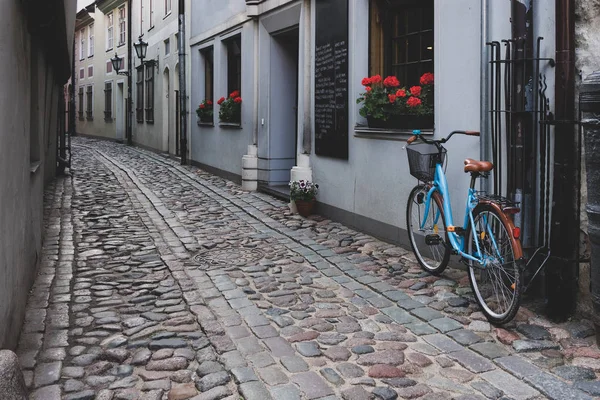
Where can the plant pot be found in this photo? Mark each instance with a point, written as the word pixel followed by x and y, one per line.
pixel 305 207
pixel 402 121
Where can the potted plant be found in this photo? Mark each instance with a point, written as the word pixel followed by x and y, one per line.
pixel 303 193
pixel 388 105
pixel 205 111
pixel 230 108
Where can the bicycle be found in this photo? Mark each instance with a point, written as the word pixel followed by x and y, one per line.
pixel 488 242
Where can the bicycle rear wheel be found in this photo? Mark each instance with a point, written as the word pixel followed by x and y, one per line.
pixel 497 285
pixel 430 242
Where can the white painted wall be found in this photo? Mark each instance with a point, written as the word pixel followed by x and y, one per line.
pixel 374 182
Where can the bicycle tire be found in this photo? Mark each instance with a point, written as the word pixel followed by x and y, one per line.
pixel 440 253
pixel 500 277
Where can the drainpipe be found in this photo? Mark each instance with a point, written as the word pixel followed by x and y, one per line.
pixel 307 123
pixel 562 272
pixel 72 130
pixel 590 107
pixel 256 67
pixel 182 91
pixel 484 147
pixel 129 105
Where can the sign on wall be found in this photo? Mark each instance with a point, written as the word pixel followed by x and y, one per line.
pixel 331 78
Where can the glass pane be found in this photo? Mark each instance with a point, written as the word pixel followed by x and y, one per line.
pixel 412 74
pixel 427 49
pixel 413 44
pixel 399 51
pixel 413 20
pixel 427 18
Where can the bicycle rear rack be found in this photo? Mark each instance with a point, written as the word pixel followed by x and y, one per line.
pixel 504 202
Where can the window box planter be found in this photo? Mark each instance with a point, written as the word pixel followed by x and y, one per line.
pixel 397 121
pixel 230 124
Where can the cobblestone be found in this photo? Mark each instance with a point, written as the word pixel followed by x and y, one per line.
pixel 183 285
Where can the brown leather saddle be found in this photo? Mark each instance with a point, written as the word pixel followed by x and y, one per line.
pixel 478 166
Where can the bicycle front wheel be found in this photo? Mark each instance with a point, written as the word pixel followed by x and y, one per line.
pixel 497 284
pixel 428 238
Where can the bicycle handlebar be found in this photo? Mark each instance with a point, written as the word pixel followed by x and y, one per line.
pixel 442 140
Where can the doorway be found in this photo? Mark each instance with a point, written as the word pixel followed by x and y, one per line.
pixel 283 108
pixel 119 114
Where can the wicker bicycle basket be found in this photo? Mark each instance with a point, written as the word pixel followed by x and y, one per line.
pixel 422 159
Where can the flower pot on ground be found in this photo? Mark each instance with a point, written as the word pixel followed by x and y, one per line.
pixel 303 194
pixel 387 105
pixel 230 110
pixel 305 207
pixel 205 111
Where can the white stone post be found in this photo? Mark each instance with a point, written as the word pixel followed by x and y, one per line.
pixel 250 169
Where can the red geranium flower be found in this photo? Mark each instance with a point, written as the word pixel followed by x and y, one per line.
pixel 391 81
pixel 368 88
pixel 413 102
pixel 238 100
pixel 375 79
pixel 401 93
pixel 202 106
pixel 209 102
pixel 366 81
pixel 415 90
pixel 392 97
pixel 222 99
pixel 427 79
pixel 234 94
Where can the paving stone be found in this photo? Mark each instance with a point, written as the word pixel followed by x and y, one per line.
pixel 391 357
pixel 356 393
pixel 591 387
pixel 412 392
pixel 579 329
pixel 337 353
pixel 443 343
pixel 208 367
pixel 420 328
pixel 243 375
pixel 273 375
pixel 279 346
pixel 83 395
pixel 332 376
pixel 212 380
pixel 254 391
pixel 385 393
pixel 465 337
pixel 168 364
pixel 285 392
pixel 312 385
pixel 490 350
pixel 51 392
pixel 141 357
pixel 445 325
pixel 574 373
pixel 522 346
pixel 47 373
pixel 385 371
pixel 508 384
pixel 308 349
pixel 183 391
pixel 173 343
pixel 489 391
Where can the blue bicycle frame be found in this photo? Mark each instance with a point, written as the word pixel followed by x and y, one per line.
pixel 457 242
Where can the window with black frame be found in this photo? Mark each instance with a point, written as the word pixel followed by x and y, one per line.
pixel 81 105
pixel 401 39
pixel 234 64
pixel 89 93
pixel 150 93
pixel 207 55
pixel 108 101
pixel 139 93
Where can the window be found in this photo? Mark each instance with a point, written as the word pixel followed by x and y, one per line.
pixel 167 6
pixel 151 13
pixel 150 92
pixel 109 32
pixel 401 39
pixel 90 71
pixel 91 39
pixel 167 47
pixel 139 94
pixel 234 63
pixel 89 94
pixel 122 25
pixel 80 109
pixel 81 73
pixel 207 55
pixel 82 44
pixel 108 101
pixel 109 68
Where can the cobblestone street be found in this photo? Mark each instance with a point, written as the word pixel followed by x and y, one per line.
pixel 161 281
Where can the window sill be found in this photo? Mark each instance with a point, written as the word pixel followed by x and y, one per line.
pixel 91 56
pixel 167 15
pixel 34 166
pixel 108 120
pixel 152 27
pixel 111 49
pixel 364 132
pixel 90 118
pixel 231 125
pixel 120 45
pixel 200 123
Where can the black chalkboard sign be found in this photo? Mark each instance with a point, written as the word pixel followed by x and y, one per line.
pixel 331 78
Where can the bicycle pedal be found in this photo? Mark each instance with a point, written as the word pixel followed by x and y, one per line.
pixel 456 229
pixel 433 240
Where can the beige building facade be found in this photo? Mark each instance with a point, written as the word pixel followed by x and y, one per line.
pixel 101 93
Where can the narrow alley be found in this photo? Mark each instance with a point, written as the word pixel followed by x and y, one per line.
pixel 161 281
